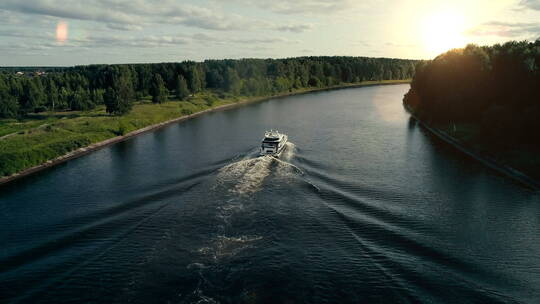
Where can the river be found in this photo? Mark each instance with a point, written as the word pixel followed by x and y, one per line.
pixel 364 206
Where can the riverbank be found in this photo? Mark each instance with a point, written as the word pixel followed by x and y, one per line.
pixel 60 137
pixel 488 161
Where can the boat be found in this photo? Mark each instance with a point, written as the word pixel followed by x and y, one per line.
pixel 273 143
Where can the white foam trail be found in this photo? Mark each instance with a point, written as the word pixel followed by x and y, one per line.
pixel 247 175
pixel 201 298
pixel 285 169
pixel 226 211
pixel 204 300
pixel 288 153
pixel 224 246
pixel 196 266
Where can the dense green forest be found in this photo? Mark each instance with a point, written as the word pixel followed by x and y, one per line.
pixel 117 86
pixel 489 94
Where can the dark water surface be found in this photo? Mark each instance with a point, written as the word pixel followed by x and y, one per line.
pixel 364 207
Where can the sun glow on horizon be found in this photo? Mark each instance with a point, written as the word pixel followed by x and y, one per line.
pixel 443 31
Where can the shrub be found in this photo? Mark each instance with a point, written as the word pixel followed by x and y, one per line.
pixel 123 129
pixel 11 162
pixel 187 111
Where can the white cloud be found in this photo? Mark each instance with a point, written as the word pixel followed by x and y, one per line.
pixel 531 4
pixel 124 27
pixel 295 28
pixel 93 42
pixel 133 14
pixel 507 30
pixel 211 39
pixel 302 6
pixel 66 9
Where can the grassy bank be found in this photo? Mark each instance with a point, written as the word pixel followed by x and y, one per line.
pixel 42 137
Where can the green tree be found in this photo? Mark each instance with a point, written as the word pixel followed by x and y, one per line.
pixel 233 83
pixel 80 101
pixel 33 96
pixel 195 80
pixel 97 96
pixel 282 84
pixel 158 90
pixel 182 90
pixel 8 107
pixel 125 94
pixel 314 82
pixel 8 103
pixel 52 95
pixel 111 101
pixel 16 87
pixel 119 98
pixel 63 99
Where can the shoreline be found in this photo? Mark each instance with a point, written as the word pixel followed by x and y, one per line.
pixel 96 146
pixel 506 170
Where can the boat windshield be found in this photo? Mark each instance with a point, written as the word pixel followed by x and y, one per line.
pixel 268 145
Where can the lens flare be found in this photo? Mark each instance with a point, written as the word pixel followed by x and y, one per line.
pixel 61 32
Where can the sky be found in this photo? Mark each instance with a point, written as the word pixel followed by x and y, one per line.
pixel 70 32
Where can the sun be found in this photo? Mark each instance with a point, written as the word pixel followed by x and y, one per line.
pixel 443 31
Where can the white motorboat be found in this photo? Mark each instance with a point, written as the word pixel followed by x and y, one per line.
pixel 273 143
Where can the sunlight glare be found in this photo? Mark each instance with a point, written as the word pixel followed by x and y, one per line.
pixel 443 31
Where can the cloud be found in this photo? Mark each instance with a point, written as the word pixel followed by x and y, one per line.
pixel 400 45
pixel 20 33
pixel 66 9
pixel 126 41
pixel 7 17
pixel 361 43
pixel 530 4
pixel 103 42
pixel 124 27
pixel 14 18
pixel 21 48
pixel 508 30
pixel 302 6
pixel 130 15
pixel 107 41
pixel 295 28
pixel 264 41
pixel 211 39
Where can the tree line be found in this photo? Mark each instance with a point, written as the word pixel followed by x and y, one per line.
pixel 118 86
pixel 494 88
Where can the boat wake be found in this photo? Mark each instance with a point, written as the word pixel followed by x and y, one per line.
pixel 289 152
pixel 236 185
pixel 225 246
pixel 233 192
pixel 246 177
pixel 220 248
